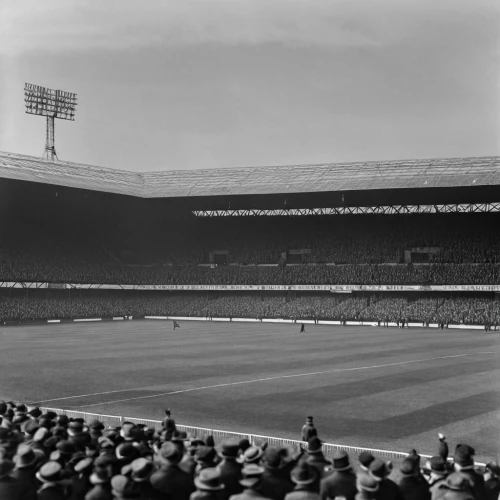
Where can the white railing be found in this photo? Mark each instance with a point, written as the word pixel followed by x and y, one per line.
pixel 328 448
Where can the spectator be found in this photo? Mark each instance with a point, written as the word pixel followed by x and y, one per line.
pixel 411 485
pixel 65 472
pixel 230 468
pixel 251 482
pixel 456 487
pixel 342 483
pixel 317 459
pixel 208 485
pixel 492 481
pixel 367 487
pixel 308 430
pixel 463 462
pixel 305 478
pixel 275 485
pixel 387 489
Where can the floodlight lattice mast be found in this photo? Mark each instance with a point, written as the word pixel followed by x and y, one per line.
pixel 52 104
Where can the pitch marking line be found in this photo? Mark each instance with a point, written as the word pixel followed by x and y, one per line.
pixel 338 370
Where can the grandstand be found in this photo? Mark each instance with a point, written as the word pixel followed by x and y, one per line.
pixel 422 227
pixel 397 243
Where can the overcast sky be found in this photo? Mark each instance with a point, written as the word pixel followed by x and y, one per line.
pixel 181 84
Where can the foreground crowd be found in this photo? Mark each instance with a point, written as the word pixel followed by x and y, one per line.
pixel 336 307
pixel 45 456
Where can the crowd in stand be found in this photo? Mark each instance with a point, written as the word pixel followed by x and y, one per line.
pixel 380 308
pixel 46 456
pixel 356 239
pixel 61 270
pixel 360 250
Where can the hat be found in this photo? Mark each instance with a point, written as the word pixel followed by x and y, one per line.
pixel 141 469
pixel 126 470
pixel 463 456
pixel 272 458
pixel 205 455
pixel 457 482
pixel 82 439
pixel 408 467
pixel 24 457
pixel 20 418
pixel 436 464
pixel 314 445
pixel 413 455
pixel 494 468
pixel 209 480
pixel 124 487
pixel 288 454
pixel 169 453
pixel 95 425
pixel 104 461
pixel 31 427
pixel 366 482
pixel 261 443
pixel 21 409
pixel 75 428
pixel 341 461
pixel 378 469
pixel 309 419
pixel 45 422
pixel 63 420
pixel 40 435
pixel 127 450
pixel 197 442
pixel 251 455
pixel 209 440
pixel 128 431
pixel 365 459
pixel 252 475
pixel 6 467
pixel 65 447
pixel 84 466
pixel 49 472
pixel 304 473
pixel 100 476
pixel 244 444
pixel 51 442
pixel 60 432
pixel 35 412
pixel 230 449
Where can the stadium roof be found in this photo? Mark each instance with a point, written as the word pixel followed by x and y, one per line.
pixel 331 177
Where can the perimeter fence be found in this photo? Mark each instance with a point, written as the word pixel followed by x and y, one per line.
pixel 329 449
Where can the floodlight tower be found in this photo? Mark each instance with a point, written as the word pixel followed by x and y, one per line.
pixel 52 104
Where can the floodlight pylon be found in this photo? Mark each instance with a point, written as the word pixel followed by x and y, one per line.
pixel 51 104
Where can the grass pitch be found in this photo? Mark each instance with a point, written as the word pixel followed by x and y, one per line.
pixel 374 387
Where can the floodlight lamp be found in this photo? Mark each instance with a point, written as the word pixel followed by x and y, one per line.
pixel 52 104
